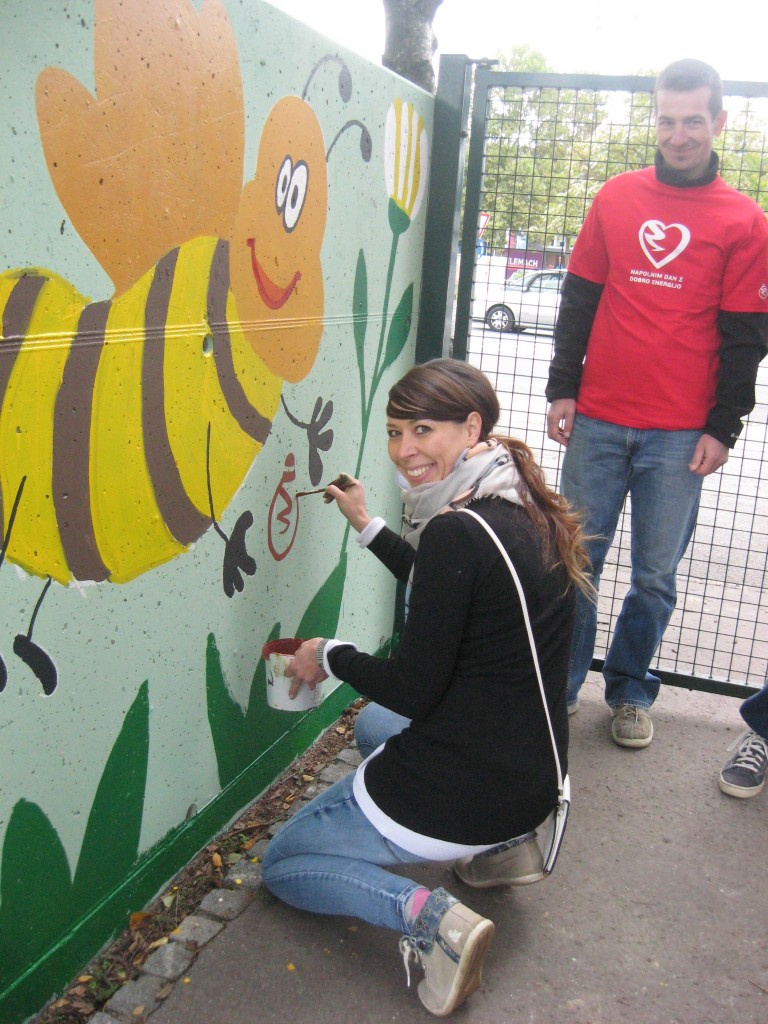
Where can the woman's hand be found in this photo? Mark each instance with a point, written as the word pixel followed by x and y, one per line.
pixel 351 502
pixel 304 668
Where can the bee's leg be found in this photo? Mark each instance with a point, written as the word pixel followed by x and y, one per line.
pixel 33 655
pixel 236 557
pixel 3 549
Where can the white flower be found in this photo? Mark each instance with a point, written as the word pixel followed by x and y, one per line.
pixel 406 157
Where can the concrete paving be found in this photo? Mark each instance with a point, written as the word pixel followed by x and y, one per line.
pixel 657 912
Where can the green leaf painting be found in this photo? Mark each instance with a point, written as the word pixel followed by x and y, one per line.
pixel 241 736
pixel 360 319
pixel 399 328
pixel 38 899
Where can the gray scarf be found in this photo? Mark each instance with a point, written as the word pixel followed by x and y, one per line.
pixel 487 469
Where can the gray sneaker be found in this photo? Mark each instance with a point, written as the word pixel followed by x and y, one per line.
pixel 518 865
pixel 632 726
pixel 452 959
pixel 743 775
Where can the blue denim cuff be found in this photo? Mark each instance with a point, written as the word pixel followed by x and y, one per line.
pixel 426 924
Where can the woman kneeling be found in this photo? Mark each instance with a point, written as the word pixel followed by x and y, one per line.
pixel 458 761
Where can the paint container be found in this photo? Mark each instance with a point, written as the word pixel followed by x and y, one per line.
pixel 278 654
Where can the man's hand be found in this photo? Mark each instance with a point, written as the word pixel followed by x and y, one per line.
pixel 560 420
pixel 710 454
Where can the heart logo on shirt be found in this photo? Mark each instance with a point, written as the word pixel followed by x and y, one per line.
pixel 662 243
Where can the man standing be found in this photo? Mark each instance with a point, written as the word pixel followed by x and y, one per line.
pixel 662 325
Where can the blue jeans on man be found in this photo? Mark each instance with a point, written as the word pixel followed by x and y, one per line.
pixel 754 711
pixel 603 464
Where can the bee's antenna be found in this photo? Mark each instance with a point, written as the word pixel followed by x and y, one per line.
pixel 345 76
pixel 366 144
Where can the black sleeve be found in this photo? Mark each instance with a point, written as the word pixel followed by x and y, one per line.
pixel 413 682
pixel 393 552
pixel 744 344
pixel 579 299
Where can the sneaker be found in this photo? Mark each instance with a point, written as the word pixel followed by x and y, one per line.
pixel 744 774
pixel 573 708
pixel 453 960
pixel 518 865
pixel 632 726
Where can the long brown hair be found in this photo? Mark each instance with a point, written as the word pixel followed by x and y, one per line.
pixel 449 390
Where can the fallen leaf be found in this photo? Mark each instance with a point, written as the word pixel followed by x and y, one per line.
pixel 291 967
pixel 138 919
pixel 233 858
pixel 85 977
pixel 158 943
pixel 165 991
pixel 216 860
pixel 137 1011
pixel 168 900
pixel 308 778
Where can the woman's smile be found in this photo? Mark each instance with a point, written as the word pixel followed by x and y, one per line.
pixel 426 451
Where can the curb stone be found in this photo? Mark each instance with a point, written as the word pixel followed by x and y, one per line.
pixel 138 999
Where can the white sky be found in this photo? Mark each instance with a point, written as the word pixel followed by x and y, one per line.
pixel 574 35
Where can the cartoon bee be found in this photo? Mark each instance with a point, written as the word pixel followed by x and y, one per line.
pixel 127 425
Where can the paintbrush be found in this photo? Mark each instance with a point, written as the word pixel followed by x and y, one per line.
pixel 342 481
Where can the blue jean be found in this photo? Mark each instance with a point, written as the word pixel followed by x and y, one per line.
pixel 329 859
pixel 603 464
pixel 754 711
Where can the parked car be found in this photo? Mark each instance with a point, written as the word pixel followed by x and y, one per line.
pixel 530 298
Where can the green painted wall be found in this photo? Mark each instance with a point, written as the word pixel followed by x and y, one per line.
pixel 206 292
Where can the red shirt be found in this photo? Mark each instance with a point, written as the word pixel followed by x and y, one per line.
pixel 670 260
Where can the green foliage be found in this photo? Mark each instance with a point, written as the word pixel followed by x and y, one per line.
pixel 360 320
pixel 240 736
pixel 548 150
pixel 399 328
pixel 38 900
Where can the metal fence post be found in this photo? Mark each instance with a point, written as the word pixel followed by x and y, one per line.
pixel 444 206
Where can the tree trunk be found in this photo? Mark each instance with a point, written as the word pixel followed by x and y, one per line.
pixel 411 43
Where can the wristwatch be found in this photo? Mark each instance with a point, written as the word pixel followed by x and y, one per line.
pixel 319 654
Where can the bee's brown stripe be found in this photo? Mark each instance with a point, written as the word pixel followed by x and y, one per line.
pixel 248 418
pixel 72 449
pixel 16 317
pixel 185 522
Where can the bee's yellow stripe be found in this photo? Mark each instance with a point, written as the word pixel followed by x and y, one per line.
pixel 27 418
pixel 18 295
pixel 130 532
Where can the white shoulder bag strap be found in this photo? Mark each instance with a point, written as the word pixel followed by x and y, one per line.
pixel 554 826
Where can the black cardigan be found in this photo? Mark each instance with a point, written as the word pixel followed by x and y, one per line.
pixel 476 764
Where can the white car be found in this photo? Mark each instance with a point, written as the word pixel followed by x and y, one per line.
pixel 530 298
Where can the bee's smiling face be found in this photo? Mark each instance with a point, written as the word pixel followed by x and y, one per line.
pixel 275 246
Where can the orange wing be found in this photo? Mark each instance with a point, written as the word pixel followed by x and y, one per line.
pixel 156 158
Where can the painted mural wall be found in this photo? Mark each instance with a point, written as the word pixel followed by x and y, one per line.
pixel 212 224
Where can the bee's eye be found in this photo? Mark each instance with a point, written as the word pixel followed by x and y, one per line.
pixel 283 184
pixel 296 194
